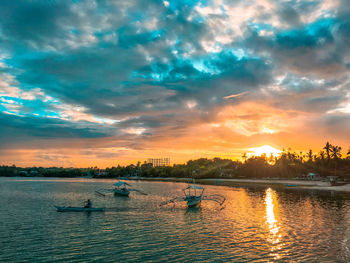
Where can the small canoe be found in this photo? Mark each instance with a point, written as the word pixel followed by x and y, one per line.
pixel 78 209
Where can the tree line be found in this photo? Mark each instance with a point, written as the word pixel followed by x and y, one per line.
pixel 288 164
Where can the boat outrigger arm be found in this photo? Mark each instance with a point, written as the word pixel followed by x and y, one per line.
pixel 216 198
pixel 138 191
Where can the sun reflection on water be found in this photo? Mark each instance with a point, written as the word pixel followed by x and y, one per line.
pixel 272 221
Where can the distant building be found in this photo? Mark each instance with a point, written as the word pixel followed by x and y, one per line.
pixel 101 172
pixel 159 161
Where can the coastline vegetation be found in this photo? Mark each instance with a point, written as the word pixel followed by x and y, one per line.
pixel 288 165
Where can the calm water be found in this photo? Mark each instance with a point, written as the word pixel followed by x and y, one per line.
pixel 256 225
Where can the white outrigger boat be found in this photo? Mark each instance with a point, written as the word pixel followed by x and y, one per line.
pixel 79 209
pixel 194 196
pixel 193 199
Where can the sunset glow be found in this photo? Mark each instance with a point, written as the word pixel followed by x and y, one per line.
pixel 175 130
pixel 178 79
pixel 266 149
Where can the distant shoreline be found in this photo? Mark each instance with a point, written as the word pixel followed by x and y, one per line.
pixel 290 184
pixel 280 183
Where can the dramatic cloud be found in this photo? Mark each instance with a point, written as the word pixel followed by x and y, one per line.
pixel 102 82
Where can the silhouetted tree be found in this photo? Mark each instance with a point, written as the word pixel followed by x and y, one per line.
pixel 335 152
pixel 328 148
pixel 309 155
pixel 322 155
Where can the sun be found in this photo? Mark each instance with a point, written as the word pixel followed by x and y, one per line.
pixel 266 149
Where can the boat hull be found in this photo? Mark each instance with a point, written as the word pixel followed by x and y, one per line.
pixel 121 192
pixel 79 209
pixel 193 201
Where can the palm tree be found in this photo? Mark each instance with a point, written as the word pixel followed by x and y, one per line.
pixel 309 155
pixel 301 156
pixel 328 150
pixel 335 152
pixel 322 155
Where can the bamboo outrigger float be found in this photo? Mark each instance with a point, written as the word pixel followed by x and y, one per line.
pixel 194 196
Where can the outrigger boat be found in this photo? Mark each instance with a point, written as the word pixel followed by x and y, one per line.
pixel 79 209
pixel 120 189
pixel 193 199
pixel 194 196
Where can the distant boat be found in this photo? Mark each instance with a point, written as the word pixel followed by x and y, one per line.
pixel 120 189
pixel 194 196
pixel 79 209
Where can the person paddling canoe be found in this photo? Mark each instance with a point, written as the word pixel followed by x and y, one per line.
pixel 88 204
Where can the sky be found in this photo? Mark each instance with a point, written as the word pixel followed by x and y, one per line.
pixel 102 83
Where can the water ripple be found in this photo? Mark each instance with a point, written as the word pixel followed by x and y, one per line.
pixel 256 225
